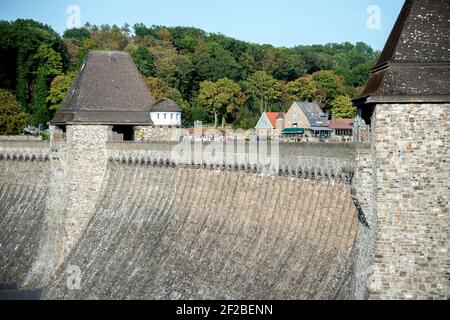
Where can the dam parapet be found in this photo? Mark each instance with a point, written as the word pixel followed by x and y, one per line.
pixel 25 150
pixel 308 160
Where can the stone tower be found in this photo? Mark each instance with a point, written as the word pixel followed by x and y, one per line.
pixel 108 97
pixel 403 243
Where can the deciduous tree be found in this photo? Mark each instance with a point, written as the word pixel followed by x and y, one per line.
pixel 12 118
pixel 220 98
pixel 263 88
pixel 342 107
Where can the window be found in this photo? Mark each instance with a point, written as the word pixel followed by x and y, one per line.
pixel 171 116
pixel 157 115
pixel 165 116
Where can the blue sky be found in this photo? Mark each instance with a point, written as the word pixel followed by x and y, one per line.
pixel 277 22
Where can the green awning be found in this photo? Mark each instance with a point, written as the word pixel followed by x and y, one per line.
pixel 293 131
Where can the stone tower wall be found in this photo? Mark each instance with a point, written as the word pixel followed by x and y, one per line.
pixel 411 156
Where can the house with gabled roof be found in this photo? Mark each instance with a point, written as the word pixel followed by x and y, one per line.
pixel 271 123
pixel 309 117
pixel 268 120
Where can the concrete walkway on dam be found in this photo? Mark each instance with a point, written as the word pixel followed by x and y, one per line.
pixel 185 233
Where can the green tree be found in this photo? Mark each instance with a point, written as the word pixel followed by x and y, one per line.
pixel 304 89
pixel 58 89
pixel 143 59
pixel 263 88
pixel 212 62
pixel 220 98
pixel 50 65
pixel 49 62
pixel 330 85
pixel 342 107
pixel 41 114
pixel 23 72
pixel 79 34
pixel 12 118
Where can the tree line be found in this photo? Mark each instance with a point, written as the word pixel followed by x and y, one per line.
pixel 214 78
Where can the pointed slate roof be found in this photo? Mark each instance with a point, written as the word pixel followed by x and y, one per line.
pixel 108 90
pixel 415 63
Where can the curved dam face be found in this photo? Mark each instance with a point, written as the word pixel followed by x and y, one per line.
pixel 173 233
pixel 158 230
pixel 23 188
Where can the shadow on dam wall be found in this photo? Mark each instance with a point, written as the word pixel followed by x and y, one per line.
pixel 163 232
pixel 171 233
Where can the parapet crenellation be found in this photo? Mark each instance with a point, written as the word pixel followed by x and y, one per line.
pixel 303 160
pixel 25 150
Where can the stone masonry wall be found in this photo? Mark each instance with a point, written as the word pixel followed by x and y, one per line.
pixel 78 166
pixel 155 134
pixel 363 194
pixel 412 190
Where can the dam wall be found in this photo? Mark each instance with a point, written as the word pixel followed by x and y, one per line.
pixel 185 233
pixel 24 170
pixel 176 228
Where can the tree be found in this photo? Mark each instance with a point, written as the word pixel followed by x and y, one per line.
pixel 263 88
pixel 220 98
pixel 19 42
pixel 212 62
pixel 12 118
pixel 110 38
pixel 330 85
pixel 143 59
pixel 79 34
pixel 342 107
pixel 160 89
pixel 304 89
pixel 50 65
pixel 23 71
pixel 49 62
pixel 40 110
pixel 58 90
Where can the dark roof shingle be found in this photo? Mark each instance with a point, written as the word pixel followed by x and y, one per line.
pixel 166 105
pixel 415 63
pixel 108 90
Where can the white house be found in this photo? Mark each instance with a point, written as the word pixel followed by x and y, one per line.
pixel 166 113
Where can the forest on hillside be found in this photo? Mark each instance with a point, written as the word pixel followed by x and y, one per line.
pixel 214 78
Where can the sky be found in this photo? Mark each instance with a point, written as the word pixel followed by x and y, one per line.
pixel 284 23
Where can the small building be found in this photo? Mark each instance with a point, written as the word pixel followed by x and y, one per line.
pixel 271 123
pixel 166 113
pixel 108 91
pixel 342 128
pixel 309 117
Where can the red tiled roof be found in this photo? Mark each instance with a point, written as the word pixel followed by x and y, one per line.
pixel 272 116
pixel 345 124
